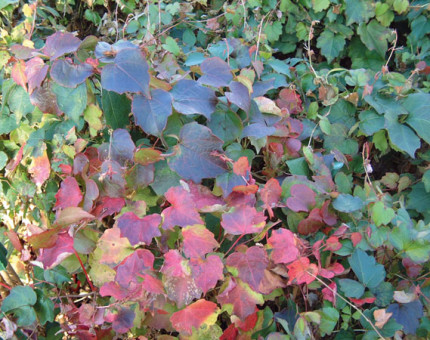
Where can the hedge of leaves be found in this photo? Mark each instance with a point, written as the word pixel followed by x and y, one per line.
pixel 210 170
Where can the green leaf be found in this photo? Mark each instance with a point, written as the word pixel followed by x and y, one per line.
pixel 273 31
pixel 20 296
pixel 226 125
pixel 370 273
pixel 358 11
pixel 380 140
pixel 400 6
pixel 419 198
pixel 3 257
pixel 374 36
pixel 116 108
pixel 19 102
pixel 329 318
pixel 172 46
pixel 3 160
pixel 351 288
pixel 425 179
pixel 347 203
pixel 320 5
pixel 25 315
pixel 5 3
pixel 401 136
pixel 383 293
pixel 418 251
pixel 44 308
pixel 418 106
pixel 371 122
pixel 382 215
pixel 330 44
pixel 71 101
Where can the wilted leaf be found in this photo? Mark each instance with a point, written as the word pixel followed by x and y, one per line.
pixel 289 99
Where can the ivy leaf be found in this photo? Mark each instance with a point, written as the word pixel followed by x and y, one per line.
pixel 139 230
pixel 198 241
pixel 59 44
pixel 36 71
pixel 243 220
pixel 195 156
pixel 183 211
pixel 418 107
pixel 197 314
pixel 250 265
pixel 270 195
pixel 347 203
pixel 299 271
pixel 283 244
pixel 358 11
pixel 69 195
pixel 113 247
pixel 216 72
pixel 68 74
pixel 128 73
pixel 401 135
pixel 367 270
pixel 151 114
pixel 302 198
pixel 241 297
pixel 71 101
pixel 63 248
pixel 190 98
pixel 374 36
pixel 330 44
pixel 116 108
pixel 207 273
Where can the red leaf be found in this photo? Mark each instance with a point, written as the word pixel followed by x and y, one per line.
pixel 152 284
pixel 175 264
pixel 328 217
pixel 412 269
pixel 302 198
pixel 241 167
pixel 329 295
pixel 69 195
pixel 108 206
pixel 114 289
pixel 311 224
pixel 289 99
pixel 121 321
pixel 243 220
pixel 242 297
pixel 183 211
pixel 361 302
pixel 250 265
pixel 13 163
pixel 18 74
pixel 248 324
pixel 284 246
pixel 298 271
pixel 198 241
pixel 356 238
pixel 40 169
pixel 207 272
pixel 333 244
pixel 332 270
pixel 35 70
pixel 194 316
pixel 270 195
pixel 139 230
pixel 230 333
pixel 249 189
pixel 63 247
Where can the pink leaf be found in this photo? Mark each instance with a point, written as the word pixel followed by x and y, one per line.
pixel 332 270
pixel 300 271
pixel 122 321
pixel 198 241
pixel 270 195
pixel 207 272
pixel 333 244
pixel 290 100
pixel 108 206
pixel 329 295
pixel 69 195
pixel 311 224
pixel 243 220
pixel 139 230
pixel 194 316
pixel 40 169
pixel 183 211
pixel 203 198
pixel 241 167
pixel 302 198
pixel 131 267
pixel 174 264
pixel 284 246
pixel 250 265
pixel 18 74
pixel 35 70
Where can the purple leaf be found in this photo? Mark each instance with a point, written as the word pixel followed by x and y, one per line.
pixel 151 114
pixel 239 95
pixel 68 74
pixel 139 230
pixel 216 72
pixel 195 157
pixel 302 198
pixel 207 272
pixel 190 98
pixel 128 73
pixel 35 70
pixel 59 44
pixel 106 52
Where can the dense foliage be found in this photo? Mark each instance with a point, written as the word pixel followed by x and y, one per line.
pixel 202 170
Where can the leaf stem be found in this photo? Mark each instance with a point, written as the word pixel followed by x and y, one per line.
pixel 234 244
pixel 85 271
